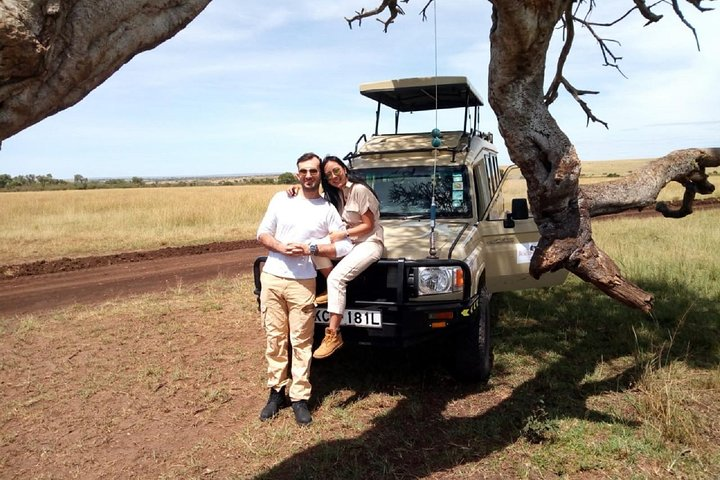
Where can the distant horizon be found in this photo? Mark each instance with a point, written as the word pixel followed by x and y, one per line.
pixel 158 177
pixel 248 175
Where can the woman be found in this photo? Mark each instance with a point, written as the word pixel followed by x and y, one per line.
pixel 360 210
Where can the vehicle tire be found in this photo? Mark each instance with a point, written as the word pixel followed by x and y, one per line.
pixel 471 354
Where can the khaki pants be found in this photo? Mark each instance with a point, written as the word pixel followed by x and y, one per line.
pixel 288 316
pixel 350 266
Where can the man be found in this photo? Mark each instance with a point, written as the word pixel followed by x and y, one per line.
pixel 288 285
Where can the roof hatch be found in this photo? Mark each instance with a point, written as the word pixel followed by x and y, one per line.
pixel 418 94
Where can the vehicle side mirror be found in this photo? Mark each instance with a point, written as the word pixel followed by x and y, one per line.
pixel 520 209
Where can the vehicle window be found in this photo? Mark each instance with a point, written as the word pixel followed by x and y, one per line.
pixel 407 191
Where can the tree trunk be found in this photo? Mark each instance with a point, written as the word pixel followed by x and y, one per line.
pixel 519 38
pixel 54 52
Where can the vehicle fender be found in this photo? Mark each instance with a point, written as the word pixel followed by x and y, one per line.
pixel 476 263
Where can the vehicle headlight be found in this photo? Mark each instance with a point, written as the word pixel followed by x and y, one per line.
pixel 435 280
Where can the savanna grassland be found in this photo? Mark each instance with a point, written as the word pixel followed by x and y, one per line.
pixel 170 385
pixel 72 223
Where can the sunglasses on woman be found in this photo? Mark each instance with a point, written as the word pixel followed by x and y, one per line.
pixel 335 172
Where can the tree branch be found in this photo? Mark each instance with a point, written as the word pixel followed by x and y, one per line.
pixel 423 12
pixel 571 245
pixel 391 5
pixel 641 188
pixel 647 12
pixel 580 255
pixel 686 208
pixel 681 16
pixel 576 95
pixel 595 266
pixel 52 57
pixel 552 91
pixel 604 48
pixel 698 4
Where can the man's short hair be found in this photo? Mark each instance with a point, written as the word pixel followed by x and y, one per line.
pixel 307 156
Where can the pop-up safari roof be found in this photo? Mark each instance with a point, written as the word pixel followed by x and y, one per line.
pixel 419 94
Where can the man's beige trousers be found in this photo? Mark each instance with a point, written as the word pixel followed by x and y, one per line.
pixel 288 316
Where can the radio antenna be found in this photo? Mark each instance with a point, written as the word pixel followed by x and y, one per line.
pixel 436 143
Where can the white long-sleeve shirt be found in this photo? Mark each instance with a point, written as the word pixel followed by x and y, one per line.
pixel 296 219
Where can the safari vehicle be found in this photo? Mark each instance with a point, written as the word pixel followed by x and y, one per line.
pixel 449 243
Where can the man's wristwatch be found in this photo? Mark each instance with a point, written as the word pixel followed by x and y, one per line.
pixel 313 249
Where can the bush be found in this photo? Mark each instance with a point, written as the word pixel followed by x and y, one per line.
pixel 286 178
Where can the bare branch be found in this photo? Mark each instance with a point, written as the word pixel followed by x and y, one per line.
pixel 581 256
pixel 646 12
pixel 424 10
pixel 698 4
pixel 552 91
pixel 680 15
pixel 604 48
pixel 391 5
pixel 617 20
pixel 576 95
pixel 595 266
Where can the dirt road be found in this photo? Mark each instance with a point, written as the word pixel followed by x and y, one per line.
pixel 42 285
pixel 46 285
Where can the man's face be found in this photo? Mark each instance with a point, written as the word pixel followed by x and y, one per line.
pixel 309 174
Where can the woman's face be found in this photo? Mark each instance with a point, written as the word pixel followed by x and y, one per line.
pixel 335 174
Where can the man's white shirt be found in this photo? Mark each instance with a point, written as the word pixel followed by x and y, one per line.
pixel 299 220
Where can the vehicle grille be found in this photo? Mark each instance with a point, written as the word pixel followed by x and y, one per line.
pixel 379 283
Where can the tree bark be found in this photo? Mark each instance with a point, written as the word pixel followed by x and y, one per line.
pixel 54 52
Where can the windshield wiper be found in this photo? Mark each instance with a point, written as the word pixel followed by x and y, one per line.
pixel 402 215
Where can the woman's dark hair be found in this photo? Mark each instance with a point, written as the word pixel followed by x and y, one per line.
pixel 333 194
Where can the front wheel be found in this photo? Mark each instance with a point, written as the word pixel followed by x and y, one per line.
pixel 472 356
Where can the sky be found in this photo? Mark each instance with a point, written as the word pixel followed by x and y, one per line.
pixel 247 90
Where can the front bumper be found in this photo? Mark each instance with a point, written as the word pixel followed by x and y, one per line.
pixel 407 319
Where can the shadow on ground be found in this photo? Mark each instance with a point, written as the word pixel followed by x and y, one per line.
pixel 572 323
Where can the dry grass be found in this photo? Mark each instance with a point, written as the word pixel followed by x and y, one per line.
pixel 47 225
pixel 169 386
pixel 678 402
pixel 640 251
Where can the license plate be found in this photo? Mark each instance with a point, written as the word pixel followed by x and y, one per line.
pixel 352 318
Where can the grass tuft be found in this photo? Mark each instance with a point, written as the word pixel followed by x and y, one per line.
pixel 539 427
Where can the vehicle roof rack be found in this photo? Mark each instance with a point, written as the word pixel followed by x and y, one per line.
pixel 418 94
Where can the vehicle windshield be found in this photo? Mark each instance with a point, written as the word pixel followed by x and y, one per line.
pixel 407 191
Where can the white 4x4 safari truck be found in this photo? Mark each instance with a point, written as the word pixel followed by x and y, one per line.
pixel 449 242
